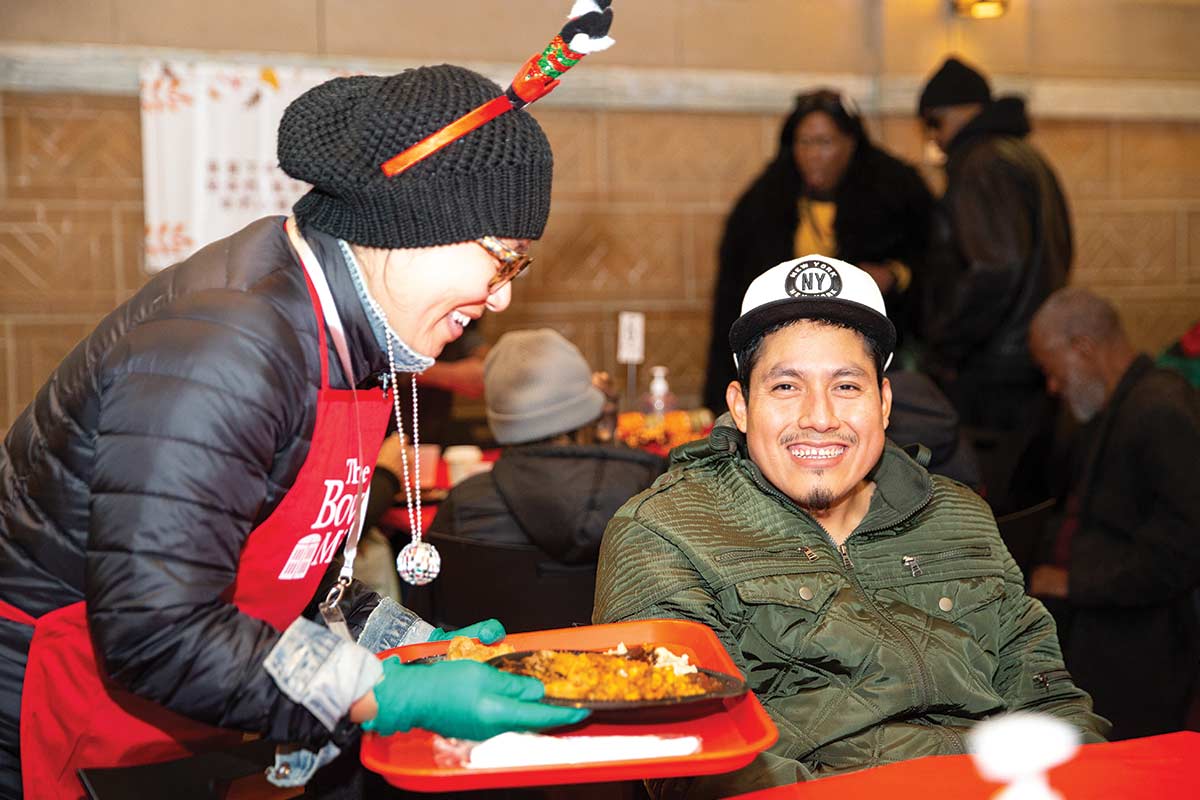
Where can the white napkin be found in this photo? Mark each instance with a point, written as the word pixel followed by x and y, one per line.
pixel 533 749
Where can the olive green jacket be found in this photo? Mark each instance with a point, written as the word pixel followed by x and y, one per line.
pixel 887 649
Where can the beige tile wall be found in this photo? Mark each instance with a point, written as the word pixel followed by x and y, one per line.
pixel 639 196
pixel 1082 38
pixel 638 208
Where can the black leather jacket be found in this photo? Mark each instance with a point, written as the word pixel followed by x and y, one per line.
pixel 156 446
pixel 1002 244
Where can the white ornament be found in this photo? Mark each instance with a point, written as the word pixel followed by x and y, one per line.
pixel 419 562
pixel 1018 749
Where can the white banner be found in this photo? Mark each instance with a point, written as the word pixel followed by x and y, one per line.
pixel 208 150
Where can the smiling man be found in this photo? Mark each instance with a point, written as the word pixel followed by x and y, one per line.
pixel 872 607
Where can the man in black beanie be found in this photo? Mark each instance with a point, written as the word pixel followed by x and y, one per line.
pixel 1001 245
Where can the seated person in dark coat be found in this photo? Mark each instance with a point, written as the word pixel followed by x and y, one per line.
pixel 528 532
pixel 923 415
pixel 1122 566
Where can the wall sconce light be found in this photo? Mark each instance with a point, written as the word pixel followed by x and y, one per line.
pixel 979 9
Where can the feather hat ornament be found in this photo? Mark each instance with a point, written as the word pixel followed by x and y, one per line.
pixel 586 31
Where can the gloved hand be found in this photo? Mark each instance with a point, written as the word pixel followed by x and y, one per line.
pixel 489 631
pixel 462 699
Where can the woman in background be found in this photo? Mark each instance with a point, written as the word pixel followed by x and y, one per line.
pixel 829 190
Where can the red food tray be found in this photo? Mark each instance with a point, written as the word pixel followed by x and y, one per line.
pixel 730 736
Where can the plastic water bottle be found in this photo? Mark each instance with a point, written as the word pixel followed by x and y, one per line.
pixel 659 400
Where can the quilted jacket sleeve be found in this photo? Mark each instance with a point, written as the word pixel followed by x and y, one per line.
pixel 1031 675
pixel 194 407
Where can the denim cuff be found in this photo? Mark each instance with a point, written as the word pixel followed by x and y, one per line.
pixel 391 625
pixel 295 767
pixel 321 671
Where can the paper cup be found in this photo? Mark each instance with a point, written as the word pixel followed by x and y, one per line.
pixel 462 461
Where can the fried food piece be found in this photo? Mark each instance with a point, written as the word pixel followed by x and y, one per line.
pixel 606 676
pixel 462 647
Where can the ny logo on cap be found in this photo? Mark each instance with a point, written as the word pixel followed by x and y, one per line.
pixel 813 279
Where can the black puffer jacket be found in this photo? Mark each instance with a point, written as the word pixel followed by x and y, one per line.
pixel 159 443
pixel 884 213
pixel 544 507
pixel 1002 244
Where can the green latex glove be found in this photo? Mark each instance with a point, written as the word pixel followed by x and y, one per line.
pixel 489 631
pixel 462 699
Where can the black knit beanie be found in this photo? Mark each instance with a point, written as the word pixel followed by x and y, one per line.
pixel 495 181
pixel 954 84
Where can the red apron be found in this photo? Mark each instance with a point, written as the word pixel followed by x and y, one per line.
pixel 72 716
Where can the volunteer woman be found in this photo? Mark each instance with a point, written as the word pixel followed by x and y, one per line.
pixel 174 502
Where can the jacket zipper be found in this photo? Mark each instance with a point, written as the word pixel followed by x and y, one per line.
pixel 1044 679
pixel 735 558
pixel 923 679
pixel 914 563
pixel 843 550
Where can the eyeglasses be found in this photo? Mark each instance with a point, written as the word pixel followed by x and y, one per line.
pixel 511 263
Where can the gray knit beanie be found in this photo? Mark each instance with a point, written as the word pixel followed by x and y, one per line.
pixel 495 181
pixel 537 385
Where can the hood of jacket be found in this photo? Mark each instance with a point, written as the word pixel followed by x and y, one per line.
pixel 562 496
pixel 1004 116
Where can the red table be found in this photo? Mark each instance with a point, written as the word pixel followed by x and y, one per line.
pixel 1155 768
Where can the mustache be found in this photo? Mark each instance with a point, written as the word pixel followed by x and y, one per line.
pixel 820 440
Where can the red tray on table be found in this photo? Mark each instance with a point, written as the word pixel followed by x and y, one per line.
pixel 731 734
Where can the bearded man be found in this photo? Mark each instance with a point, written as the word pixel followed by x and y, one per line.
pixel 1122 560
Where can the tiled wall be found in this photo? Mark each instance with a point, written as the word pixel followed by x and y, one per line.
pixel 1089 38
pixel 638 206
pixel 639 195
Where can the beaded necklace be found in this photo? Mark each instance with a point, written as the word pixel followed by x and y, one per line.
pixel 418 562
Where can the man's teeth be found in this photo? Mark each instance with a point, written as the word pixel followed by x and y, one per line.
pixel 462 319
pixel 817 452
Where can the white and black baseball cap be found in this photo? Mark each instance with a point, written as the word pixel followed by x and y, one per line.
pixel 814 286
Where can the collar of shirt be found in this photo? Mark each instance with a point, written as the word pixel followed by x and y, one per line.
pixel 407 359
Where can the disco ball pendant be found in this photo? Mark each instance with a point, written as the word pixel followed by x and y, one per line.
pixel 418 563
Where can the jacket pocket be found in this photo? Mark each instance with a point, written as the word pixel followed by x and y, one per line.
pixel 798 634
pixel 953 594
pixel 809 592
pixel 784 612
pixel 961 614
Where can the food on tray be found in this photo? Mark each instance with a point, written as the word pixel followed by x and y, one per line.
pixel 462 647
pixel 663 430
pixel 639 674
